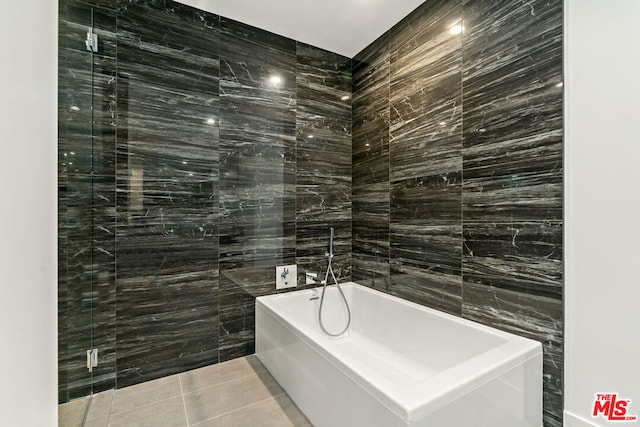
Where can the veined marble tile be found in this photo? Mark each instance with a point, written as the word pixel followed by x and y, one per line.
pixel 524 257
pixel 513 133
pixel 323 161
pixel 257 151
pixel 370 163
pixel 370 228
pixel 244 43
pixel 425 93
pixel 426 263
pixel 436 199
pixel 257 175
pixel 426 21
pixel 239 287
pixel 167 190
pixel 370 145
pixel 371 72
pixel 532 316
pixel 323 79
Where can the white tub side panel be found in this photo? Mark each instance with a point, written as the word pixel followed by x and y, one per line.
pixel 512 400
pixel 324 394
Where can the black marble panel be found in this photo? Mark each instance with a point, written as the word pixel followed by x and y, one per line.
pixel 426 264
pixel 257 172
pixel 189 145
pixel 238 290
pixel 513 280
pixel 512 110
pixel 437 199
pixel 62 287
pixel 370 163
pixel 532 316
pixel 167 190
pixel 425 93
pixel 370 228
pixel 521 257
pixel 257 150
pixel 370 119
pixel 323 160
pixel 498 64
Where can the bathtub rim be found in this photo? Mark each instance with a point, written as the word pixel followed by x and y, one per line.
pixel 413 402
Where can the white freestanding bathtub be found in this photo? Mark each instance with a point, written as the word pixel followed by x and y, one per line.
pixel 400 364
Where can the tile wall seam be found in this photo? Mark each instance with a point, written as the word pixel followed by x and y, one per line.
pixel 462 22
pixel 220 121
pixel 115 225
pixel 218 208
pixel 388 230
pixel 295 160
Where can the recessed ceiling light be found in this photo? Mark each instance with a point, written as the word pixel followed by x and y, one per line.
pixel 310 136
pixel 560 84
pixel 442 123
pixel 346 97
pixel 275 80
pixel 211 122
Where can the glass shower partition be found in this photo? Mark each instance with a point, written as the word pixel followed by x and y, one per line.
pixel 86 193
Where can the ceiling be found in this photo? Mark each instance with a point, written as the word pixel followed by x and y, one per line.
pixel 340 26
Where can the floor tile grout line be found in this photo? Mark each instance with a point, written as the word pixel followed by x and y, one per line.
pixel 273 396
pixel 184 404
pixel 146 404
pixel 225 382
pixel 113 397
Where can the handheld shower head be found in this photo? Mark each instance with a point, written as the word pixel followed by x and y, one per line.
pixel 330 253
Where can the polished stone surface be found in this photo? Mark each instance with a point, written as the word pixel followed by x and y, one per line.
pixel 191 178
pixel 425 164
pixel 196 153
pixel 370 164
pixel 323 159
pixel 512 165
pixel 512 83
pixel 465 212
pixel 167 190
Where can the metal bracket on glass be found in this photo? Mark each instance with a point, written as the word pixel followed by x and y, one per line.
pixel 92 41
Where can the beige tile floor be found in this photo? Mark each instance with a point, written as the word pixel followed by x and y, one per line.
pixel 236 393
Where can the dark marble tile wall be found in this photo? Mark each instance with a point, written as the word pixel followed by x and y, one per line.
pixel 167 189
pixel 370 165
pixel 323 159
pixel 195 177
pixel 473 192
pixel 257 173
pixel 512 190
pixel 425 164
